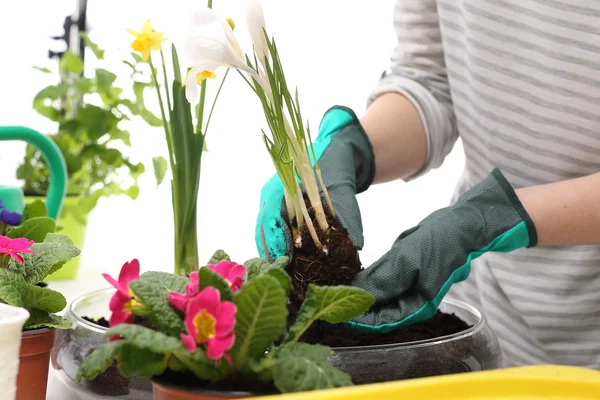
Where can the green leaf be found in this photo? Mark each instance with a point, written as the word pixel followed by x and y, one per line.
pixel 140 362
pixel 48 258
pixel 137 57
pixel 299 374
pixel 209 278
pixel 12 287
pixel 104 80
pixel 314 352
pixel 34 209
pixel 261 319
pixel 99 361
pixel 258 267
pixel 42 69
pixel 170 282
pixel 154 295
pixel 255 267
pixel 43 299
pixel 202 366
pixel 176 67
pixel 35 229
pixel 219 255
pixel 92 46
pixel 145 338
pixel 71 62
pixel 334 304
pixel 160 168
pixel 41 319
pixel 58 238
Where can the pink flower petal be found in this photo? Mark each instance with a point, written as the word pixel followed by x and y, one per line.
pixel 178 300
pixel 4 241
pixel 120 317
pixel 16 257
pixel 208 299
pixel 20 244
pixel 123 290
pixel 217 347
pixel 130 271
pixel 225 319
pixel 189 342
pixel 193 286
pixel 118 301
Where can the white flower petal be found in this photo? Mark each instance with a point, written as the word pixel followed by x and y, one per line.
pixel 191 87
pixel 255 20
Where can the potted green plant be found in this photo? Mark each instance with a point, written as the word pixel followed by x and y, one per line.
pixel 222 331
pixel 29 252
pixel 89 112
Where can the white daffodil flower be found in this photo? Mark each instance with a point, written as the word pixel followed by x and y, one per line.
pixel 255 20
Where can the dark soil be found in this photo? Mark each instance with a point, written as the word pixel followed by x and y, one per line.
pixel 337 336
pixel 103 322
pixel 338 266
pixel 236 383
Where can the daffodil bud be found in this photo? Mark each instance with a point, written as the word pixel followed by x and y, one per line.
pixel 231 23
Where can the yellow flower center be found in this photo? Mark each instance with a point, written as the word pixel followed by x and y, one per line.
pixel 204 75
pixel 231 23
pixel 141 43
pixel 205 326
pixel 128 307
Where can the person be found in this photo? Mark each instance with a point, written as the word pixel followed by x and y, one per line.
pixel 518 82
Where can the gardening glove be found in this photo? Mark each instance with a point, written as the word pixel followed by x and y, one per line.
pixel 410 280
pixel 347 164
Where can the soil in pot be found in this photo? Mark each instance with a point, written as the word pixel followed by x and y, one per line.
pixel 34 364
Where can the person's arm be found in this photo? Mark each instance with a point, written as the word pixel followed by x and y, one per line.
pixel 565 213
pixel 410 119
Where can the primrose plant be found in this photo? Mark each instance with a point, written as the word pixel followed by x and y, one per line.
pixel 29 252
pixel 227 323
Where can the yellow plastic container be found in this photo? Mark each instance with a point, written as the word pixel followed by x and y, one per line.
pixel 522 383
pixel 72 227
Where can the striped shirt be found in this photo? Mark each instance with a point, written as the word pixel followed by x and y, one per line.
pixel 519 82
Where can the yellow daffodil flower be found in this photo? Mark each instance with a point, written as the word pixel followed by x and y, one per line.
pixel 146 40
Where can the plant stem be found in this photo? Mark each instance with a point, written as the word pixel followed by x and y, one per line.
pixel 214 103
pixel 162 58
pixel 200 107
pixel 162 114
pixel 186 249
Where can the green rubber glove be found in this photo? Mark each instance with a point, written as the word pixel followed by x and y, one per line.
pixel 347 165
pixel 410 281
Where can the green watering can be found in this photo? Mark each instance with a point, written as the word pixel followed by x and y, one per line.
pixel 13 198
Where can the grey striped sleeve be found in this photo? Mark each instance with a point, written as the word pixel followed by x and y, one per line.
pixel 418 71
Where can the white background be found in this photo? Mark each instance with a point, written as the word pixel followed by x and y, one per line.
pixel 333 50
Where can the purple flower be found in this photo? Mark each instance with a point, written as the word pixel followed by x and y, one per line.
pixel 1 206
pixel 10 218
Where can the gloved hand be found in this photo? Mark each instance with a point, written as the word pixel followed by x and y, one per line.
pixel 347 165
pixel 410 280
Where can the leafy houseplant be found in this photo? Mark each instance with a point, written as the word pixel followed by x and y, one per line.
pixel 223 328
pixel 28 254
pixel 90 113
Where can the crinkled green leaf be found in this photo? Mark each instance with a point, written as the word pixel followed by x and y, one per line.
pixel 218 256
pixel 12 287
pixel 43 299
pixel 145 338
pixel 170 282
pixel 261 318
pixel 209 278
pixel 99 361
pixel 154 295
pixel 258 266
pixel 48 258
pixel 160 168
pixel 314 352
pixel 140 362
pixel 299 374
pixel 35 229
pixel 34 209
pixel 58 238
pixel 41 319
pixel 202 366
pixel 334 304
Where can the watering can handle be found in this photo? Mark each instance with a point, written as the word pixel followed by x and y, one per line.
pixel 57 189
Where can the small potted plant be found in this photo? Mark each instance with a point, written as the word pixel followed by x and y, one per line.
pixel 29 252
pixel 221 332
pixel 90 112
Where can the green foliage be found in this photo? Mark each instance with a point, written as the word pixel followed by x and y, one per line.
pixel 90 112
pixel 258 352
pixel 18 281
pixel 219 255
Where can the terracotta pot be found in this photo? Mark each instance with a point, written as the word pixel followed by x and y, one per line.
pixel 32 380
pixel 164 390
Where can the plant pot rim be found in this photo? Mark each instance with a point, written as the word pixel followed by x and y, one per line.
pixel 37 331
pixel 412 344
pixel 195 389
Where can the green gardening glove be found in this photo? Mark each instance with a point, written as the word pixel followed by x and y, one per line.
pixel 347 166
pixel 410 280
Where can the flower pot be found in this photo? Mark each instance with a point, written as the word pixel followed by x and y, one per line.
pixel 474 349
pixel 72 346
pixel 164 390
pixel 32 380
pixel 12 320
pixel 72 225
